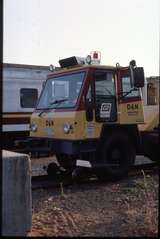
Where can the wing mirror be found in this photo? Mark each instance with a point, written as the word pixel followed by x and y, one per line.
pixel 137 75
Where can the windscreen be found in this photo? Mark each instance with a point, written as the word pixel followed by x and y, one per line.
pixel 61 91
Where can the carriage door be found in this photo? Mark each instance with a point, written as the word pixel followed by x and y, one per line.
pixel 105 99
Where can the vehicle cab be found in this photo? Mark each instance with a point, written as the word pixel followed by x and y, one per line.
pixel 81 99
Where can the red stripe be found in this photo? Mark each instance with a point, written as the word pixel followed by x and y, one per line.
pixel 129 100
pixel 16 113
pixel 24 120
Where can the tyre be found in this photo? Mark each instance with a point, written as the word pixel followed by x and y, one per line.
pixel 118 155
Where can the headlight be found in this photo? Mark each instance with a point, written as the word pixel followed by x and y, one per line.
pixel 67 128
pixel 33 127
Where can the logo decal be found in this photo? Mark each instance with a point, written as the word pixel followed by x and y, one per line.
pixel 105 111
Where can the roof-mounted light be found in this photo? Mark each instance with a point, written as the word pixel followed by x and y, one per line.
pixel 51 67
pixel 132 63
pixel 93 58
pixel 96 57
pixel 71 61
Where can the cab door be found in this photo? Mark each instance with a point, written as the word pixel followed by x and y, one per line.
pixel 105 96
pixel 130 103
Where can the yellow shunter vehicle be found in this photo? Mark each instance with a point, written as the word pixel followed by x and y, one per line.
pixel 89 114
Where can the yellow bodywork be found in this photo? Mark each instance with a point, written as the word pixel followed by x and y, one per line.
pixel 50 124
pixel 76 119
pixel 81 129
pixel 131 113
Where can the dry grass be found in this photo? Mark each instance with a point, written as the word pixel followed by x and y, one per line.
pixel 151 215
pixel 128 208
pixel 149 220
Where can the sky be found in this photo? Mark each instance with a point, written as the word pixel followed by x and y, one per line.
pixel 41 32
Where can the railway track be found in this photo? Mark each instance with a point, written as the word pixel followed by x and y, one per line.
pixel 44 181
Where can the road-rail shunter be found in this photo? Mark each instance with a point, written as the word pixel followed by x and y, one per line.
pixel 89 114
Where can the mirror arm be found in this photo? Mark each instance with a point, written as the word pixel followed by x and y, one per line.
pixel 132 76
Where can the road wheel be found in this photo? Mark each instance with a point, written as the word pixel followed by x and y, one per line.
pixel 118 152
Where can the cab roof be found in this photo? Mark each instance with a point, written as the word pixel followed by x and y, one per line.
pixel 83 67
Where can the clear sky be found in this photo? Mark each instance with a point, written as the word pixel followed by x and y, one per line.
pixel 40 32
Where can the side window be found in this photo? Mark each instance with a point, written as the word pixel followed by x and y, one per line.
pixel 126 87
pixel 104 84
pixel 88 96
pixel 78 87
pixel 28 97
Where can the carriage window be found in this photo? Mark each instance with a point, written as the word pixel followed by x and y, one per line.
pixel 28 97
pixel 60 89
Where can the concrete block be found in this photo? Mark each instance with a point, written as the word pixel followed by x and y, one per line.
pixel 16 194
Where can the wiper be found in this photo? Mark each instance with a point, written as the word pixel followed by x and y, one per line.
pixel 57 101
pixel 53 102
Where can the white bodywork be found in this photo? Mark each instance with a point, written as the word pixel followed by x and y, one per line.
pixel 15 78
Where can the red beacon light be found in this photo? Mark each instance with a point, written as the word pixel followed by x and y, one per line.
pixel 96 57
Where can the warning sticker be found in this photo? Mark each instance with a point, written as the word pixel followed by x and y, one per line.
pixel 105 111
pixel 90 129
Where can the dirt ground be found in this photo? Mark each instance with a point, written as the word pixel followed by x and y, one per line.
pixel 127 208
